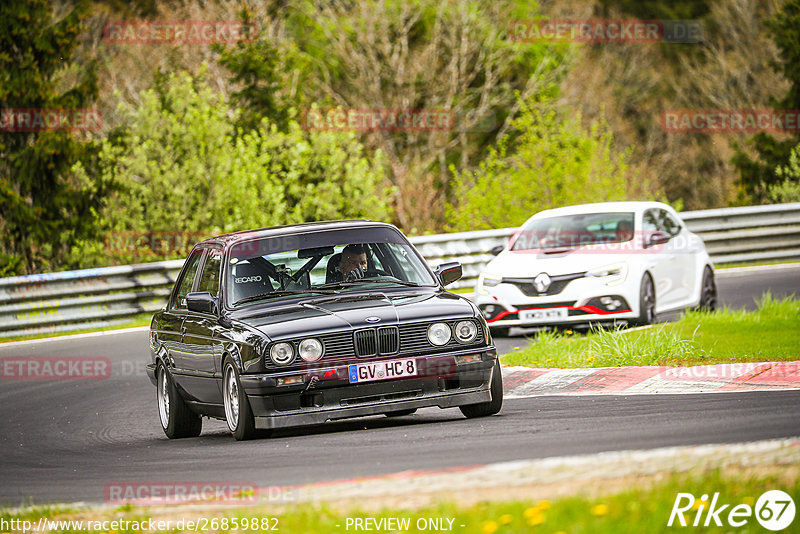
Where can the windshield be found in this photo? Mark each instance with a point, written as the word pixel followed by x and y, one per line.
pixel 574 231
pixel 322 263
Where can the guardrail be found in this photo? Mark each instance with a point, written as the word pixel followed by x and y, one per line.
pixel 95 298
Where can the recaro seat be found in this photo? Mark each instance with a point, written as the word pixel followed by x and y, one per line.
pixel 249 280
pixel 331 274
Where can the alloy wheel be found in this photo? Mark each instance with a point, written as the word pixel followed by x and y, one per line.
pixel 231 398
pixel 163 398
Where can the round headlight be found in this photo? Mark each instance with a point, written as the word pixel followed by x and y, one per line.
pixel 466 331
pixel 281 353
pixel 310 349
pixel 439 334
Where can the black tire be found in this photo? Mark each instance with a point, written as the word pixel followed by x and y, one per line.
pixel 708 291
pixel 177 419
pixel 401 413
pixel 647 302
pixel 499 331
pixel 238 414
pixel 486 409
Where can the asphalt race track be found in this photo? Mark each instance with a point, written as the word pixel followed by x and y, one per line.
pixel 66 440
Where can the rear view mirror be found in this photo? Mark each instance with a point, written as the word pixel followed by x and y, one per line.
pixel 657 238
pixel 494 251
pixel 447 273
pixel 201 302
pixel 316 252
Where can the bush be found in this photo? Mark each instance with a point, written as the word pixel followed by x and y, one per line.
pixel 789 189
pixel 554 163
pixel 180 167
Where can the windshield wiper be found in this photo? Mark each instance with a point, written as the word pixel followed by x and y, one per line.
pixel 280 293
pixel 350 283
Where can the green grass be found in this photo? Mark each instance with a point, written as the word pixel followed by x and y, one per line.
pixel 769 334
pixel 138 320
pixel 631 511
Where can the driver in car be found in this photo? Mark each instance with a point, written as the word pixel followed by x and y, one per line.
pixel 353 263
pixel 624 231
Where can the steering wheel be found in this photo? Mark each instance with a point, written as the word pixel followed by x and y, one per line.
pixel 375 273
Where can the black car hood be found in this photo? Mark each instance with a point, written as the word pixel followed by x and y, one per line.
pixel 353 311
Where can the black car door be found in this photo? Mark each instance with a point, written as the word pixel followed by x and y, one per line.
pixel 171 323
pixel 181 369
pixel 202 346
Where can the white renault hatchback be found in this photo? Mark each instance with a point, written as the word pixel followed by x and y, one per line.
pixel 596 263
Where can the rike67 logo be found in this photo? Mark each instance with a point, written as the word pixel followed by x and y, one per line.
pixel 774 510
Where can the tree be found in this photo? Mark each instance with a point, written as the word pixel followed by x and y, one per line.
pixel 179 166
pixel 553 163
pixel 758 174
pixel 44 207
pixel 423 55
pixel 789 189
pixel 254 68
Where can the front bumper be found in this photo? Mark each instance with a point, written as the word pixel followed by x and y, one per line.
pixel 440 382
pixel 582 301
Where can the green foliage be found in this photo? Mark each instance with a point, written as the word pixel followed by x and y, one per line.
pixel 255 73
pixel 422 54
pixel 554 162
pixel 44 207
pixel 179 166
pixel 785 30
pixel 789 189
pixel 758 175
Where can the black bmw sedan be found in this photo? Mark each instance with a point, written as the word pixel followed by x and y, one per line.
pixel 309 323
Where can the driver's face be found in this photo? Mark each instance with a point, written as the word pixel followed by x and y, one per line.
pixel 351 261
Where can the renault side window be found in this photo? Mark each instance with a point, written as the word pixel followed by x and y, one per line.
pixel 185 285
pixel 669 223
pixel 650 222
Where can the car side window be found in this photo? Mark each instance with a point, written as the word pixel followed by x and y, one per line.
pixel 209 278
pixel 668 223
pixel 186 281
pixel 650 222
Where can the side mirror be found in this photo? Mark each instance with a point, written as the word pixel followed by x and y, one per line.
pixel 447 273
pixel 657 238
pixel 201 302
pixel 494 251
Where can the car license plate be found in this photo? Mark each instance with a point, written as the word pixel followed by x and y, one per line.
pixel 367 372
pixel 543 316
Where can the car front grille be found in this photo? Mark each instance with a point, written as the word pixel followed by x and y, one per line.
pixel 405 339
pixel 366 342
pixel 374 341
pixel 557 284
pixel 388 341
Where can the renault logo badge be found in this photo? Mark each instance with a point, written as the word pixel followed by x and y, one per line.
pixel 542 282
